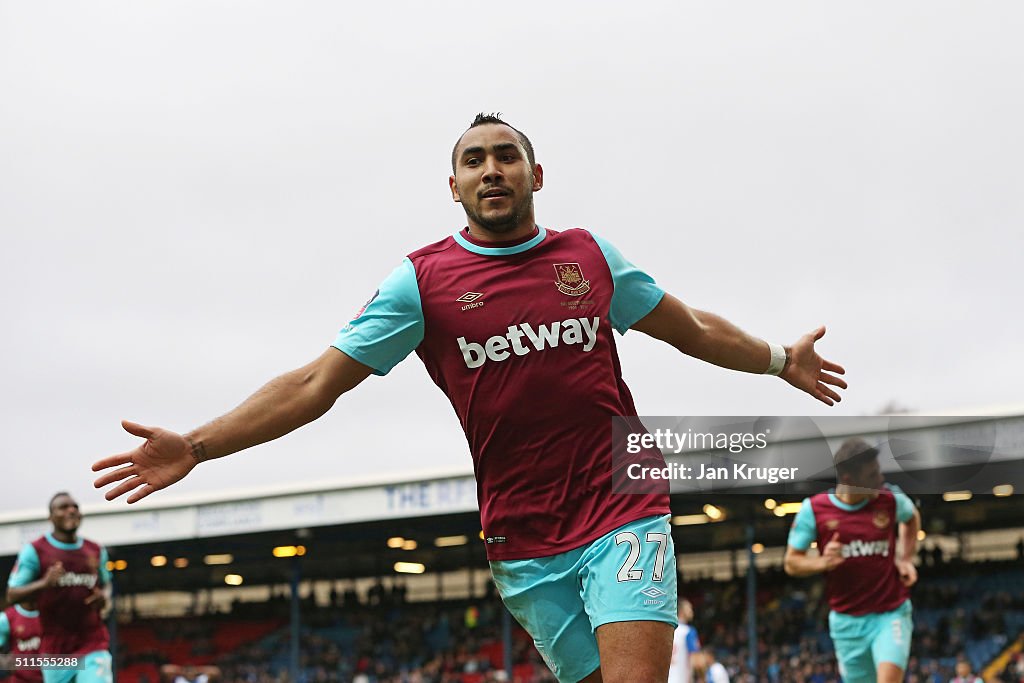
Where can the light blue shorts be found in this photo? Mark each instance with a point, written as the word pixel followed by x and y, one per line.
pixel 97 669
pixel 864 642
pixel 628 574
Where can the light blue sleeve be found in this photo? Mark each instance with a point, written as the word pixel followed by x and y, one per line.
pixel 390 326
pixel 904 506
pixel 26 568
pixel 5 629
pixel 104 570
pixel 692 640
pixel 805 529
pixel 635 293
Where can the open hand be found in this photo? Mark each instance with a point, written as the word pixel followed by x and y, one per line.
pixel 809 372
pixel 162 459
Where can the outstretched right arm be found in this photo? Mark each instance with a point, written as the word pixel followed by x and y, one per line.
pixel 281 406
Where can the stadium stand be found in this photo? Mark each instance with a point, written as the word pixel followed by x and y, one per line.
pixel 971 610
pixel 448 627
pixel 453 642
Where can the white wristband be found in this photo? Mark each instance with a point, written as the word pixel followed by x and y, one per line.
pixel 778 359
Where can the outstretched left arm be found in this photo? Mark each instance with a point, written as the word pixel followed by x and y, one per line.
pixel 714 339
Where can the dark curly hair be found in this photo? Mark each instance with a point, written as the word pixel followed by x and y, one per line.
pixel 483 119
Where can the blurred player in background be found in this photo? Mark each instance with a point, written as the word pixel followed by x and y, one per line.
pixel 19 629
pixel 714 670
pixel 514 323
pixel 685 647
pixel 866 531
pixel 170 673
pixel 68 578
pixel 964 673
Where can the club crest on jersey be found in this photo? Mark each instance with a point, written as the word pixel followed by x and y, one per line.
pixel 569 279
pixel 881 519
pixel 831 524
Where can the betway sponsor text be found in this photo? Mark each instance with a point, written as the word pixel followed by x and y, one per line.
pixel 522 339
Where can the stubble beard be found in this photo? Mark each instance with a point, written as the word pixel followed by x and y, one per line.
pixel 504 223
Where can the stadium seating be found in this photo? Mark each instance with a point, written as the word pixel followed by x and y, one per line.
pixel 971 611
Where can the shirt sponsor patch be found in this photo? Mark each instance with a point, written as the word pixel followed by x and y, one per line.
pixel 501 347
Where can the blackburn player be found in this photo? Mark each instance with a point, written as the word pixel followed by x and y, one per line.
pixel 19 627
pixel 867 533
pixel 685 647
pixel 67 577
pixel 514 324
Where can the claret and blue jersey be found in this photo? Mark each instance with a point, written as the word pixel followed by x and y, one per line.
pixel 519 337
pixel 867 582
pixel 70 626
pixel 871 619
pixel 21 634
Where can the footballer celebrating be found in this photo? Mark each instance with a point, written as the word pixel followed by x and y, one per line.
pixel 510 319
pixel 867 533
pixel 68 579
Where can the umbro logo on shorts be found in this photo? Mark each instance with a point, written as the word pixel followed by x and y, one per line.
pixel 655 596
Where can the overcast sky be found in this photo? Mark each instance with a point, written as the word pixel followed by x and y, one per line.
pixel 195 196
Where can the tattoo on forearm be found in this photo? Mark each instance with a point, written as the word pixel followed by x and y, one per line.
pixel 198 450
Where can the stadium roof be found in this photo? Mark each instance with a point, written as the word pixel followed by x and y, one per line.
pixel 361 550
pixel 246 513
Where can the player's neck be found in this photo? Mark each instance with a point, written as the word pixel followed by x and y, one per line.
pixel 64 536
pixel 524 229
pixel 850 495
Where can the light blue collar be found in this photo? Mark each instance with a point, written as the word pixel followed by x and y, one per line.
pixel 846 506
pixel 64 546
pixel 501 251
pixel 31 614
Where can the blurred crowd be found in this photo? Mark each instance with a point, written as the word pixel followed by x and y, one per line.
pixel 380 637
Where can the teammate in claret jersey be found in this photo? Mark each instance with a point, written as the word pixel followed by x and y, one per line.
pixel 20 635
pixel 513 322
pixel 866 531
pixel 67 577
